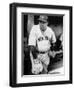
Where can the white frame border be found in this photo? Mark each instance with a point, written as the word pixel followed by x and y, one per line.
pixel 43 78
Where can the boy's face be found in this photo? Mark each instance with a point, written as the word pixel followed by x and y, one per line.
pixel 43 25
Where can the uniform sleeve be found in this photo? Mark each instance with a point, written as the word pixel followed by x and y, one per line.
pixel 32 37
pixel 53 37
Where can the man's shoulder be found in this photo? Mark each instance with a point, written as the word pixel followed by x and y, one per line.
pixel 49 29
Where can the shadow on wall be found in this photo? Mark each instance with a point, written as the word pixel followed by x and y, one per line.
pixel 58 30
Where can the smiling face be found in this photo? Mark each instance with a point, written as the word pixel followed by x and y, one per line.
pixel 43 25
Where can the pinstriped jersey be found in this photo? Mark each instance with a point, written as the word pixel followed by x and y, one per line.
pixel 42 39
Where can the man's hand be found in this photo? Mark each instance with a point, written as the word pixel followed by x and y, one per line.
pixel 37 66
pixel 52 53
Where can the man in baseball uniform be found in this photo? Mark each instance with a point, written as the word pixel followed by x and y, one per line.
pixel 40 39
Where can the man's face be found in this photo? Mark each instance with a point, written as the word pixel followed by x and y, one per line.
pixel 43 25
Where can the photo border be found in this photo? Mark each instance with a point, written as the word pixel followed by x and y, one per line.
pixel 13 44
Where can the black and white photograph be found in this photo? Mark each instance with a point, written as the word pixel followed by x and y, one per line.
pixel 40 44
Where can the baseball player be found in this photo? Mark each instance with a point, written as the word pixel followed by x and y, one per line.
pixel 40 39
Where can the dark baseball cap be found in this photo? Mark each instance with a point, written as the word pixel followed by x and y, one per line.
pixel 43 18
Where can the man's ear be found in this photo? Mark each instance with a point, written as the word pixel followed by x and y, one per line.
pixel 47 23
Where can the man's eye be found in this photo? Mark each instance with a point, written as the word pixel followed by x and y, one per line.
pixel 42 22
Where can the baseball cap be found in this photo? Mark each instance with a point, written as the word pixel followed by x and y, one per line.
pixel 43 18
